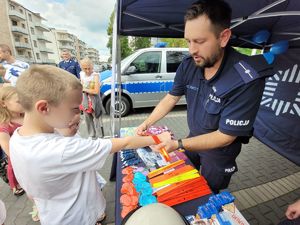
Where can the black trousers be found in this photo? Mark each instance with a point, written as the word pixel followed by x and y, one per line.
pixel 217 166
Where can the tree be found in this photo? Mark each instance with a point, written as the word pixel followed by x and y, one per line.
pixel 124 44
pixel 140 42
pixel 175 42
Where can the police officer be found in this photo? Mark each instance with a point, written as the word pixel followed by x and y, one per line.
pixel 223 90
pixel 69 64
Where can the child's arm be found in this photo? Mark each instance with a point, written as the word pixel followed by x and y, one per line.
pixel 133 142
pixel 4 142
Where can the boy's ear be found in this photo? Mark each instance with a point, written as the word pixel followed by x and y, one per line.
pixel 42 106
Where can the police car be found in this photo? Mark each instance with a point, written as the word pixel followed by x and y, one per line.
pixel 147 76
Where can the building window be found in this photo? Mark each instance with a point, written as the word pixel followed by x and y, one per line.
pixel 20 52
pixel 17 38
pixel 21 11
pixel 12 7
pixel 14 23
pixel 35 44
pixel 26 40
pixel 32 30
pixel 29 55
pixel 30 17
pixel 23 25
pixel 38 56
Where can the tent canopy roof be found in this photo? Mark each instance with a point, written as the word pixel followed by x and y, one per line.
pixel 165 18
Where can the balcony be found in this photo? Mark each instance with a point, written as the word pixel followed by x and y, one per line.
pixel 48 61
pixel 69 47
pixel 25 59
pixel 66 39
pixel 22 45
pixel 41 27
pixel 16 15
pixel 43 38
pixel 44 49
pixel 19 30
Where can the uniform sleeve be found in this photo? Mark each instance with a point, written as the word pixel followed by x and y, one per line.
pixel 85 155
pixel 178 85
pixel 59 64
pixel 78 69
pixel 239 112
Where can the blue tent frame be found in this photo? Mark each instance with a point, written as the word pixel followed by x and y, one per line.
pixel 164 18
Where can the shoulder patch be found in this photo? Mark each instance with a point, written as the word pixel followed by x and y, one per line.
pixel 246 72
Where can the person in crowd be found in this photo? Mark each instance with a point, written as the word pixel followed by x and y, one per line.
pixel 69 64
pixel 91 100
pixel 13 67
pixel 223 90
pixel 60 172
pixel 3 81
pixel 11 117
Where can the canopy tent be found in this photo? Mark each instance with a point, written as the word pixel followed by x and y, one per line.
pixel 278 119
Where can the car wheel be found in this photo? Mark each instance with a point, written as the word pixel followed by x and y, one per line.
pixel 125 106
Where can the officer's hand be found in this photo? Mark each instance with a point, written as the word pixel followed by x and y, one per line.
pixel 140 130
pixel 293 211
pixel 169 145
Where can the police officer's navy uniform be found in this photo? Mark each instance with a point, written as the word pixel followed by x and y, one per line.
pixel 71 66
pixel 228 102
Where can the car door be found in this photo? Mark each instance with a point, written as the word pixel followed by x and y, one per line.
pixel 173 60
pixel 144 81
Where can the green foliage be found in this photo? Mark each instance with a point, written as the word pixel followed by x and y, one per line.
pixel 175 42
pixel 248 51
pixel 124 44
pixel 140 42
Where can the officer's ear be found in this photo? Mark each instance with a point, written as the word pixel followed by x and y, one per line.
pixel 224 37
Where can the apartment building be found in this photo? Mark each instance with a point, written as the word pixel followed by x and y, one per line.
pixel 93 54
pixel 24 31
pixel 62 39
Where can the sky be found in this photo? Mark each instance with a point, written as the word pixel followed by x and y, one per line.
pixel 87 19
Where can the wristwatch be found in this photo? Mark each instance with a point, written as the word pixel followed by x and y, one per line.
pixel 180 145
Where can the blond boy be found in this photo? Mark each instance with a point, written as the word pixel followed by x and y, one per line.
pixel 60 172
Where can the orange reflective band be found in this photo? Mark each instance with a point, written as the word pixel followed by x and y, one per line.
pixel 163 151
pixel 165 168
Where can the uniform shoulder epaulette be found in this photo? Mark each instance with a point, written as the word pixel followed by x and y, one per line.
pixel 242 73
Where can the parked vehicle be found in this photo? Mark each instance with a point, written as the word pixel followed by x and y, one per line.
pixel 147 76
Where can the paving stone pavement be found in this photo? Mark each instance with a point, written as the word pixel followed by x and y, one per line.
pixel 264 186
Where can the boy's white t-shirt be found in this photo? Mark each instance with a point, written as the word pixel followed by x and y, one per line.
pixel 60 174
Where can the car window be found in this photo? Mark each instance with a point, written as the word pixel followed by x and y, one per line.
pixel 148 62
pixel 174 58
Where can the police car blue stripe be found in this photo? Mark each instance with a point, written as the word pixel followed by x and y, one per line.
pixel 143 87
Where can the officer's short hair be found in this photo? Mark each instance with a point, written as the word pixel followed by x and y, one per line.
pixel 44 82
pixel 5 48
pixel 217 11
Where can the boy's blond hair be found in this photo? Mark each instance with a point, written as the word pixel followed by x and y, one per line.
pixel 44 82
pixel 5 94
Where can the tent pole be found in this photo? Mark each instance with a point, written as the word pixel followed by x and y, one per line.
pixel 115 41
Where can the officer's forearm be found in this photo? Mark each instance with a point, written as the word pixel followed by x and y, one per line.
pixel 208 141
pixel 162 109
